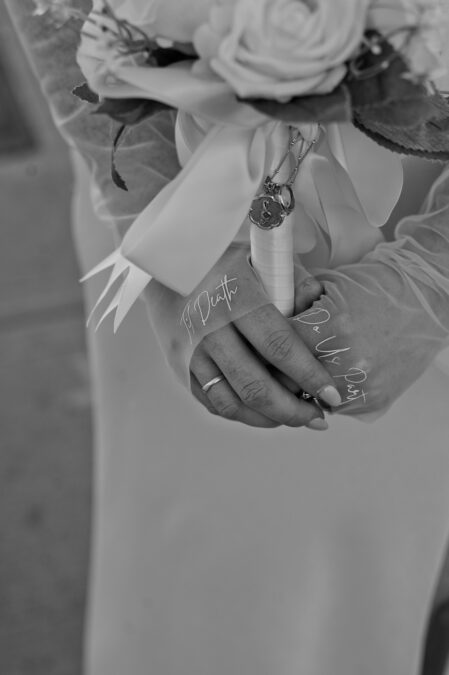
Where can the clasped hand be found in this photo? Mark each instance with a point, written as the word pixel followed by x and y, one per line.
pixel 358 330
pixel 265 365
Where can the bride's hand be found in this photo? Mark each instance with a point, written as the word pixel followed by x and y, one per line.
pixel 247 353
pixel 227 328
pixel 371 333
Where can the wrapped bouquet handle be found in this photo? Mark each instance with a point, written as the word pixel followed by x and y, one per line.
pixel 271 217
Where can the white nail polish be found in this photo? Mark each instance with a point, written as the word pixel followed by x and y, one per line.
pixel 330 396
pixel 318 424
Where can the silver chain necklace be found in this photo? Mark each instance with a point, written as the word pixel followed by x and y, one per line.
pixel 270 208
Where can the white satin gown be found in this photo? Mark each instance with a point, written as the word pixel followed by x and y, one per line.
pixel 223 550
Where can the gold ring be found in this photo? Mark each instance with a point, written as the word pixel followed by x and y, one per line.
pixel 211 383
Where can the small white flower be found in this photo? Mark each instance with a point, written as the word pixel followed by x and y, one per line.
pixel 420 30
pixel 43 6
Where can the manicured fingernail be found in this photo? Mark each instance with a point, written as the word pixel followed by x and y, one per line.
pixel 318 424
pixel 330 396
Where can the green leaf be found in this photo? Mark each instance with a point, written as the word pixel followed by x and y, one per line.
pixel 85 93
pixel 389 94
pixel 406 114
pixel 370 90
pixel 167 56
pixel 429 140
pixel 116 177
pixel 398 114
pixel 130 111
pixel 324 109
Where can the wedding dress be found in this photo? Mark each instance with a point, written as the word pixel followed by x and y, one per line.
pixel 220 549
pixel 223 550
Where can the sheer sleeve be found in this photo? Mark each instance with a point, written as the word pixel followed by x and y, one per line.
pixel 421 252
pixel 148 161
pixel 147 158
pixel 390 310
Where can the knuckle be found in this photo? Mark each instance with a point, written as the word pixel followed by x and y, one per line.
pixel 294 421
pixel 279 345
pixel 343 325
pixel 212 410
pixel 227 409
pixel 209 341
pixel 365 365
pixel 255 393
pixel 207 405
pixel 310 376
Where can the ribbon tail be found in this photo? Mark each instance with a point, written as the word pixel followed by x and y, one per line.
pixel 131 287
pixel 113 305
pixel 105 264
pixel 339 194
pixel 365 164
pixel 116 261
pixel 342 216
pixel 182 233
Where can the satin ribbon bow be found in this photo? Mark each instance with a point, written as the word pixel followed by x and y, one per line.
pixel 183 232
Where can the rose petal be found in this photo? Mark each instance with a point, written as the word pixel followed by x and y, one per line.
pixel 282 48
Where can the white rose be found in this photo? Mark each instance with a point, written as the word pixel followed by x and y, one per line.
pixel 282 48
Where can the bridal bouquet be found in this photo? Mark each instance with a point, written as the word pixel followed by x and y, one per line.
pixel 273 96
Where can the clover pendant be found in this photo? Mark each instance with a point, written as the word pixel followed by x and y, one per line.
pixel 267 211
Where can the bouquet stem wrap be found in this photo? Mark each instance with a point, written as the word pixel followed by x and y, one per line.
pixel 272 250
pixel 272 258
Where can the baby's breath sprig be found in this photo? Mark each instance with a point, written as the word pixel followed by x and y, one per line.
pixel 379 45
pixel 124 37
pixel 417 42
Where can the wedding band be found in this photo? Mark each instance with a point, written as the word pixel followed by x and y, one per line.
pixel 211 383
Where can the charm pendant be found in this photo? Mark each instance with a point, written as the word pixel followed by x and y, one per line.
pixel 267 212
pixel 270 208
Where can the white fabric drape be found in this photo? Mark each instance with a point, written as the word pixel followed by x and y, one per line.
pixel 220 549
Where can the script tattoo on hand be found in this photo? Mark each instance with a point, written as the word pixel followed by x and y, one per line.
pixel 200 309
pixel 353 380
